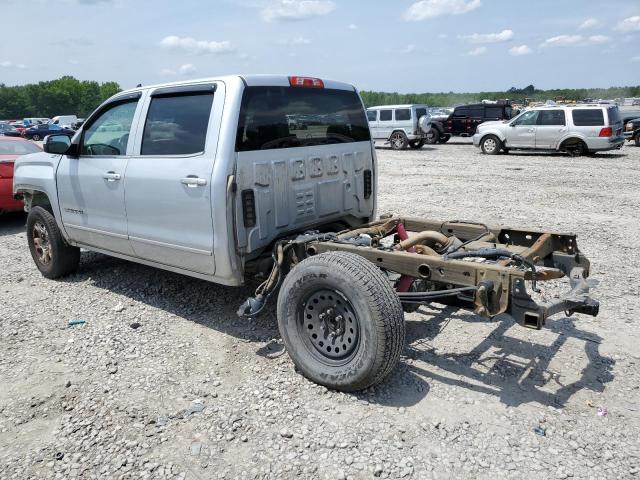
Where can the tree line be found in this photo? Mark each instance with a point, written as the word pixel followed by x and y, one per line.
pixel 64 96
pixel 514 94
pixel 69 96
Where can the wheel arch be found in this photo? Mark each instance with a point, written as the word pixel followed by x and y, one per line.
pixel 569 139
pixel 493 133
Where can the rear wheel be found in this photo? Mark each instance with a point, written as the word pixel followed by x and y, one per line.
pixel 53 256
pixel 444 138
pixel 36 137
pixel 637 139
pixel 491 145
pixel 341 321
pixel 432 136
pixel 416 144
pixel 575 148
pixel 398 140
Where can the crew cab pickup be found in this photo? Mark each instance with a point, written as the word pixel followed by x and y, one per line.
pixel 213 179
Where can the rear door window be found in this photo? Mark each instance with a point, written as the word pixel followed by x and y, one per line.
pixel 552 117
pixel 177 124
pixel 476 112
pixel 461 112
pixel 288 117
pixel 493 113
pixel 420 112
pixel 403 114
pixel 385 115
pixel 592 117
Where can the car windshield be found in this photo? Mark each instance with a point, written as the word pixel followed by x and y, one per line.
pixel 17 147
pixel 287 117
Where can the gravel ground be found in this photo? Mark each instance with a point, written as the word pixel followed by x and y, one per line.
pixel 164 381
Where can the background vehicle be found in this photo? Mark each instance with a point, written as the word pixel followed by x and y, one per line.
pixel 8 130
pixel 398 125
pixel 10 149
pixel 632 131
pixel 65 121
pixel 576 129
pixel 224 194
pixel 38 132
pixel 31 121
pixel 465 119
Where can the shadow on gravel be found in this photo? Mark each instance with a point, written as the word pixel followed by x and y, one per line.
pixel 12 223
pixel 514 370
pixel 199 301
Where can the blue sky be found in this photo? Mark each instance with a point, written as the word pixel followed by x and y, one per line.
pixel 396 45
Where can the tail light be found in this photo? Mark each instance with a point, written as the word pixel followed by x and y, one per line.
pixel 368 184
pixel 308 82
pixel 248 208
pixel 606 132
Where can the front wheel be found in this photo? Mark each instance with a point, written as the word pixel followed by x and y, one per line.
pixel 53 256
pixel 416 144
pixel 36 137
pixel 432 136
pixel 398 140
pixel 341 321
pixel 491 145
pixel 444 138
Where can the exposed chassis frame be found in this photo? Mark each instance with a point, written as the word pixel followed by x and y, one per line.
pixel 499 286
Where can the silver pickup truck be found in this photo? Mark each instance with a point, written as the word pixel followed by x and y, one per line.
pixel 273 178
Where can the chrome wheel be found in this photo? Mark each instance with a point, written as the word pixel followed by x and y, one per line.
pixel 490 145
pixel 41 243
pixel 397 140
pixel 36 137
pixel 329 326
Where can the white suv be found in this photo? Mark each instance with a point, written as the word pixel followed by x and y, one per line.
pixel 576 129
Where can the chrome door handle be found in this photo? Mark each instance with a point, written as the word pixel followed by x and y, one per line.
pixel 193 181
pixel 111 176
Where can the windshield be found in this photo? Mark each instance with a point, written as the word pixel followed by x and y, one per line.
pixel 287 117
pixel 17 147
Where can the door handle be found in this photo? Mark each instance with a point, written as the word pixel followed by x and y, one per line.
pixel 111 176
pixel 193 181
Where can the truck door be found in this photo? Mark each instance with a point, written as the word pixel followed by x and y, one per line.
pixel 168 180
pixel 459 119
pixel 91 185
pixel 522 130
pixel 551 127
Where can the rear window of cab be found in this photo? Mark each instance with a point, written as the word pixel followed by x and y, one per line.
pixel 289 117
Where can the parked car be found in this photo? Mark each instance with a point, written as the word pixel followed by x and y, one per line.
pixel 465 119
pixel 10 149
pixel 220 188
pixel 576 129
pixel 9 130
pixel 398 125
pixel 65 121
pixel 30 121
pixel 38 132
pixel 632 131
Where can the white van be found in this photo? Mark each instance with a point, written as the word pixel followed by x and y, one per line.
pixel 66 121
pixel 398 125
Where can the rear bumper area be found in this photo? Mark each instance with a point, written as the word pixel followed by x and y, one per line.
pixel 7 202
pixel 603 144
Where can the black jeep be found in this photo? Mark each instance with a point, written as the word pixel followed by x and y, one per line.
pixel 465 119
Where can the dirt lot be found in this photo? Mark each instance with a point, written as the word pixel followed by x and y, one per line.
pixel 164 381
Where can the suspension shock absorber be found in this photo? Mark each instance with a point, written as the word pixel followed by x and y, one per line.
pixel 405 280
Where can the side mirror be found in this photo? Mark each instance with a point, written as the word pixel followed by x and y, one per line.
pixel 58 144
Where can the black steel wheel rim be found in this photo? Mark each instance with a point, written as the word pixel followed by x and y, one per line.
pixel 329 326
